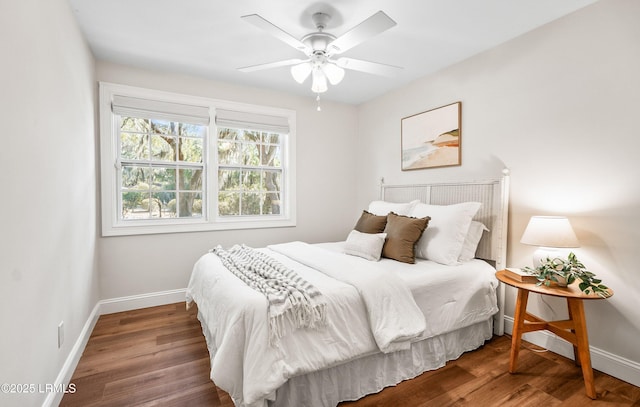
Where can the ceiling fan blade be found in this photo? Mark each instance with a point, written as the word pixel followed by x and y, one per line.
pixel 276 32
pixel 286 62
pixel 370 27
pixel 368 67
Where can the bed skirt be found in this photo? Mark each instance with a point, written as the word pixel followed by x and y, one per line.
pixel 354 379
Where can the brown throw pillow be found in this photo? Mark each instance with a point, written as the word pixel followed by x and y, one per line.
pixel 370 223
pixel 402 234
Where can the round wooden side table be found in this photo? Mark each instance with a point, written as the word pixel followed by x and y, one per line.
pixel 573 330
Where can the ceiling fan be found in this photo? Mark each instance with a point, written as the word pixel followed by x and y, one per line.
pixel 320 47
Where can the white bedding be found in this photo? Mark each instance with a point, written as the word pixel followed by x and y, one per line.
pixel 451 297
pixel 394 322
pixel 235 324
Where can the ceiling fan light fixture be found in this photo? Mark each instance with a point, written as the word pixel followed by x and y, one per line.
pixel 301 71
pixel 320 46
pixel 319 84
pixel 334 73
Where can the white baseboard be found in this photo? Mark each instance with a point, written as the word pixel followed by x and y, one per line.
pixel 609 363
pixel 64 377
pixel 141 301
pixel 101 308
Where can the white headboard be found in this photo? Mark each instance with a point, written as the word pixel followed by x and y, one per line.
pixel 494 196
pixel 492 193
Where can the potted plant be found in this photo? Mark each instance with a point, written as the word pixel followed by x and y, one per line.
pixel 565 271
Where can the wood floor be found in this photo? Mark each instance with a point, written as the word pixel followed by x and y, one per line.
pixel 158 357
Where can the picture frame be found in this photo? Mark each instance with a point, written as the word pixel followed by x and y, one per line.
pixel 432 139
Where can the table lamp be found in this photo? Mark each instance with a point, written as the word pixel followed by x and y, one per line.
pixel 548 233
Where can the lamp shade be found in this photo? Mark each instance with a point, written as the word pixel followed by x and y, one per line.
pixel 549 231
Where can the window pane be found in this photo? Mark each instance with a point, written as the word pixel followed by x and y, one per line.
pixel 163 127
pixel 251 154
pixel 271 181
pixel 133 205
pixel 273 138
pixel 251 203
pixel 252 136
pixel 229 203
pixel 190 150
pixel 190 205
pixel 162 148
pixel 135 125
pixel 229 134
pixel 228 180
pixel 135 178
pixel 260 191
pixel 271 156
pixel 251 180
pixel 190 179
pixel 271 204
pixel 164 179
pixel 193 130
pixel 150 192
pixel 134 146
pixel 160 205
pixel 229 153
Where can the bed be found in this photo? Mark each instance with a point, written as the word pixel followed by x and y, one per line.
pixel 431 312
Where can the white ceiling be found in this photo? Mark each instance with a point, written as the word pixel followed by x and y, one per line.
pixel 208 39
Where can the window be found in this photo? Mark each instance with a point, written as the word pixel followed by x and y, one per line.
pixel 249 172
pixel 161 169
pixel 168 166
pixel 250 164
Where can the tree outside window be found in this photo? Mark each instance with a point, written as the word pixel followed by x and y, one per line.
pixel 161 168
pixel 249 173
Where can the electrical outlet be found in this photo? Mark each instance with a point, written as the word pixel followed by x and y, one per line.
pixel 60 334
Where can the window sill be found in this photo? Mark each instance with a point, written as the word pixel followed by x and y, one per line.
pixel 200 226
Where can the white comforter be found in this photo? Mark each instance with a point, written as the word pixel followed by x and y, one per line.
pixel 394 316
pixel 235 320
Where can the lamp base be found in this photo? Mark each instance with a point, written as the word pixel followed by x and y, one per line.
pixel 542 253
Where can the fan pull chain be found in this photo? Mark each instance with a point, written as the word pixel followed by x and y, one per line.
pixel 318 108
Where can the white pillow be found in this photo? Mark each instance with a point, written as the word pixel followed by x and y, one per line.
pixel 442 240
pixel 472 240
pixel 365 245
pixel 382 208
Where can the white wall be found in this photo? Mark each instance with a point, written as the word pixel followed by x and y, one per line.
pixel 559 107
pixel 325 177
pixel 48 199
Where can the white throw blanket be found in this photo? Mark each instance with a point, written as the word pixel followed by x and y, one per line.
pixel 394 316
pixel 291 298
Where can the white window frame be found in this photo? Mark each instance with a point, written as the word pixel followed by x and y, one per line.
pixel 113 225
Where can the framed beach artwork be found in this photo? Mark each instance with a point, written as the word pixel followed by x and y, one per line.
pixel 432 138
